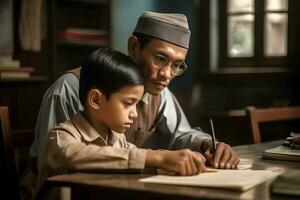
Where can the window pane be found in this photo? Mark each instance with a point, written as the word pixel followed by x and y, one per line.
pixel 240 6
pixel 276 34
pixel 240 35
pixel 276 5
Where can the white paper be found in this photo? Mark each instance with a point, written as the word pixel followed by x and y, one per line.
pixel 228 179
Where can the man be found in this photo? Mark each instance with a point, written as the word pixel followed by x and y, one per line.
pixel 159 44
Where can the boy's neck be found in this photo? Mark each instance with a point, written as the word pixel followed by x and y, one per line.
pixel 100 128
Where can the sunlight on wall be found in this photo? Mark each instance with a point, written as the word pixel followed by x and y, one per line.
pixel 124 17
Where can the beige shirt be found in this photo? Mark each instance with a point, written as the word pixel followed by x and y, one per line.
pixel 76 145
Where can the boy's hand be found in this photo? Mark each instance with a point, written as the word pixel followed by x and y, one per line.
pixel 224 157
pixel 184 162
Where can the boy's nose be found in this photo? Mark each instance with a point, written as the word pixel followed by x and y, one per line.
pixel 133 113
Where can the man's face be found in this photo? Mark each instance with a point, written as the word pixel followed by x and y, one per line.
pixel 156 77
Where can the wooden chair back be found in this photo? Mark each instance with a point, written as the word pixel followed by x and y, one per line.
pixel 7 162
pixel 258 116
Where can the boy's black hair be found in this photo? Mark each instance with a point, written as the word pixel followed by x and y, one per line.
pixel 109 71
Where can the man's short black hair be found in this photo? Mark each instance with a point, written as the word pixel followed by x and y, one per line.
pixel 108 70
pixel 143 39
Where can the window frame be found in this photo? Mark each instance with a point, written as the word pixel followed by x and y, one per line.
pixel 258 59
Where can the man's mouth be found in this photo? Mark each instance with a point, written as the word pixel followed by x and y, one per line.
pixel 161 83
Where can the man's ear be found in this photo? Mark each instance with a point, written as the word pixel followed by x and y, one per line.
pixel 133 47
pixel 95 98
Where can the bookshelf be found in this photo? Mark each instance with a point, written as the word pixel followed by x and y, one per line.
pixel 23 98
pixel 76 28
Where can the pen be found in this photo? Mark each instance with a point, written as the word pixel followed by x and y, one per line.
pixel 213 135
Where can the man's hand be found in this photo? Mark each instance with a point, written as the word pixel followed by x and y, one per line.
pixel 184 162
pixel 224 157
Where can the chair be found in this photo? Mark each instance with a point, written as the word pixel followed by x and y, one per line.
pixel 258 116
pixel 10 141
pixel 8 164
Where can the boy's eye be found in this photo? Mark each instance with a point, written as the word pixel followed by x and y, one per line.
pixel 128 103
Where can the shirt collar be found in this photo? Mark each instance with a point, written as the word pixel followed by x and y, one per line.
pixel 88 132
pixel 145 98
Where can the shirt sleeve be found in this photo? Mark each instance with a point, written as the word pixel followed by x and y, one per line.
pixel 175 129
pixel 60 103
pixel 66 151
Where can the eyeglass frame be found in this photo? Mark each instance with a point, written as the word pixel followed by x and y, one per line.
pixel 157 56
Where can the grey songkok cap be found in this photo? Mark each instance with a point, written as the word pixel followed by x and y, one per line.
pixel 171 27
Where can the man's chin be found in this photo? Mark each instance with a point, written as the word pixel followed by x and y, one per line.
pixel 154 91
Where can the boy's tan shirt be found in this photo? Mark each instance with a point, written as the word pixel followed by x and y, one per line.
pixel 76 145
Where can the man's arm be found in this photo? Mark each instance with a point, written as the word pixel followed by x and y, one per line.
pixel 176 133
pixel 173 127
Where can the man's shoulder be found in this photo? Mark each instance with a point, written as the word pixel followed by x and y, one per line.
pixel 67 79
pixel 67 82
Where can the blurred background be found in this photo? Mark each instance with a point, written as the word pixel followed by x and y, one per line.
pixel 242 53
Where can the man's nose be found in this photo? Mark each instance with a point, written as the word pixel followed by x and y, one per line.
pixel 166 72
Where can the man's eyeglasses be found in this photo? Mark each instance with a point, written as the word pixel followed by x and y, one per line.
pixel 161 61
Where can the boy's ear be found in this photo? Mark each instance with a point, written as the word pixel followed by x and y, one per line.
pixel 94 98
pixel 133 47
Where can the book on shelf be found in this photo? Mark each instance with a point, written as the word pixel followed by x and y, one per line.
pixel 9 63
pixel 9 75
pixel 21 72
pixel 16 69
pixel 84 36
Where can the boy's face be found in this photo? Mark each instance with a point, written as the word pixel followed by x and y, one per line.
pixel 157 77
pixel 119 111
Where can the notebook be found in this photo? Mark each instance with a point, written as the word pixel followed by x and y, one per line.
pixel 282 153
pixel 287 183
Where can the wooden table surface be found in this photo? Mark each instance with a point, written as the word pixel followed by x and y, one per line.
pixel 127 186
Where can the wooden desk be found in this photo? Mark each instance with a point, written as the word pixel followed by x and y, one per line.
pixel 127 186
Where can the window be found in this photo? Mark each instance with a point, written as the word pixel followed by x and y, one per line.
pixel 253 33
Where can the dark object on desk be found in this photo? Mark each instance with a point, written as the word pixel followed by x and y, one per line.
pixel 292 142
pixel 287 183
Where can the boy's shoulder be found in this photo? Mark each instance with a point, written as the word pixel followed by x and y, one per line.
pixel 66 126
